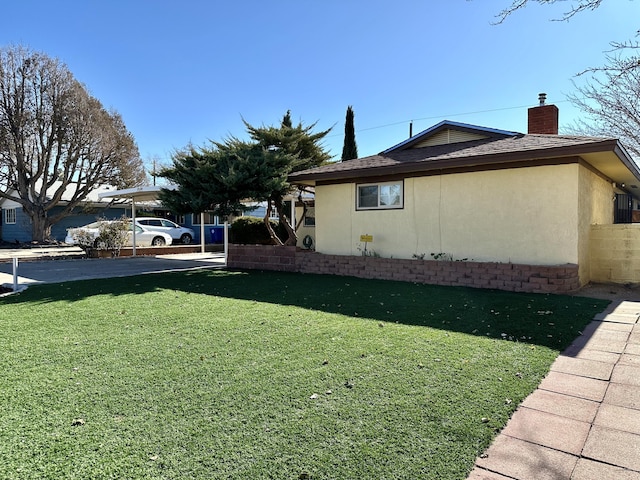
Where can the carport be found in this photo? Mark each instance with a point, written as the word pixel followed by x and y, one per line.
pixel 149 194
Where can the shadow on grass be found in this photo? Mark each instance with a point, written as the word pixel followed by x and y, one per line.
pixel 548 320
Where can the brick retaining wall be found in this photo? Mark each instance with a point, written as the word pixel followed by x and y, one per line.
pixel 501 276
pixel 262 257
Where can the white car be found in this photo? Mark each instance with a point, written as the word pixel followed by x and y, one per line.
pixel 179 234
pixel 144 237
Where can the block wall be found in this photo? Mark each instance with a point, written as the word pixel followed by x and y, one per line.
pixel 615 253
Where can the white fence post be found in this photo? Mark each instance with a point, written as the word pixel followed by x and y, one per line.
pixel 226 242
pixel 15 274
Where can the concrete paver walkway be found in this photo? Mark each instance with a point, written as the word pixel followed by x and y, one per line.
pixel 583 421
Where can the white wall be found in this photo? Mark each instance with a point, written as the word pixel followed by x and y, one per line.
pixel 596 208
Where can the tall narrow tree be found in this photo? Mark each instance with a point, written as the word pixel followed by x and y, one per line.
pixel 350 149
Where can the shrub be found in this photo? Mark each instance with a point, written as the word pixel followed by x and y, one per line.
pixel 84 239
pixel 113 235
pixel 252 231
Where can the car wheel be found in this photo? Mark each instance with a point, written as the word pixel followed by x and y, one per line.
pixel 158 242
pixel 185 239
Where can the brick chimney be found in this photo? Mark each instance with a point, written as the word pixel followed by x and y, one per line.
pixel 543 119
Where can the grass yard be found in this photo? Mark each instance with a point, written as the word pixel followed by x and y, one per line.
pixel 234 375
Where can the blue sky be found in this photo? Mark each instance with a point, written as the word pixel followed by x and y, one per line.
pixel 187 71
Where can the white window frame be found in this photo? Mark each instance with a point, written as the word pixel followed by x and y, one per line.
pixel 379 205
pixel 10 216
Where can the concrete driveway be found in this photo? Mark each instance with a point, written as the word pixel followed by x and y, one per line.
pixel 55 271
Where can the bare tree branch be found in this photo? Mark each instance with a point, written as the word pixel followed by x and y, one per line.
pixel 56 141
pixel 579 6
pixel 611 103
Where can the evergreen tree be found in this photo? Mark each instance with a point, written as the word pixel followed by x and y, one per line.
pixel 303 149
pixel 286 120
pixel 220 177
pixel 350 149
pixel 299 141
pixel 208 179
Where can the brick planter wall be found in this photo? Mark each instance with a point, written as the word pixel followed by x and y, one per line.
pixel 262 257
pixel 501 276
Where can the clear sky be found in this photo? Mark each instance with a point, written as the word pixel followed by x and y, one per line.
pixel 186 71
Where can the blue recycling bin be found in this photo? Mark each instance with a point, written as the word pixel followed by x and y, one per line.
pixel 217 234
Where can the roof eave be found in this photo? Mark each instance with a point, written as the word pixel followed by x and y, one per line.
pixel 626 159
pixel 489 160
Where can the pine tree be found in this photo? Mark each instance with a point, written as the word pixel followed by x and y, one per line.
pixel 350 149
pixel 301 148
pixel 220 177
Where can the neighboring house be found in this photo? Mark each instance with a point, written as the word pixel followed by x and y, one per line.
pixel 16 224
pixel 213 226
pixel 461 191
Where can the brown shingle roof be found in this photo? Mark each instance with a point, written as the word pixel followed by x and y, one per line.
pixel 488 151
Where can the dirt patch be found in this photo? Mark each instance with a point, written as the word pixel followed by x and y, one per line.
pixel 613 291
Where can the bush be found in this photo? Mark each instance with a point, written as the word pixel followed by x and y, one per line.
pixel 113 235
pixel 253 231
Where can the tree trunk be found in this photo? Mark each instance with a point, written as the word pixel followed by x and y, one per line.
pixel 40 228
pixel 293 238
pixel 304 211
pixel 274 238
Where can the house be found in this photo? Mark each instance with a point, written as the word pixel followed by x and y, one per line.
pixel 458 191
pixel 15 224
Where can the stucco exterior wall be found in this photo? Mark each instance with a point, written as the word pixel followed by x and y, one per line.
pixel 595 208
pixel 303 231
pixel 524 215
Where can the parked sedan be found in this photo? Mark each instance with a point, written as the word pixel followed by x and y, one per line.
pixel 144 237
pixel 179 234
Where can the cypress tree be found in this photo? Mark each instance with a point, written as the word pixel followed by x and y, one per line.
pixel 350 149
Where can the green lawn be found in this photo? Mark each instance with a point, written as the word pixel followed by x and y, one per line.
pixel 236 375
